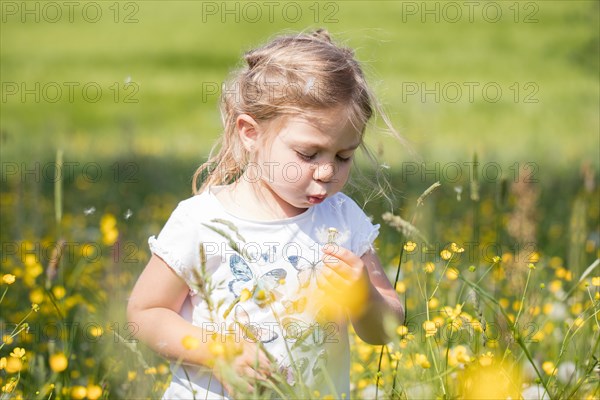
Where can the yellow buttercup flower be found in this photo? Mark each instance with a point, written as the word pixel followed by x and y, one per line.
pixel 78 392
pixel 94 392
pixel 190 342
pixel 108 228
pixel 422 361
pixel 9 279
pixel 18 353
pixel 534 257
pixel 596 281
pixel 452 274
pixel 13 365
pixel 10 386
pixel 59 292
pixel 402 330
pixel 410 246
pixel 445 254
pixel 549 368
pixel 430 328
pixel 429 267
pixel 96 331
pixel 455 248
pixel 400 287
pixel 58 362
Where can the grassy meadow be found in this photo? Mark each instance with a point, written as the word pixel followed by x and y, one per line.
pixel 108 107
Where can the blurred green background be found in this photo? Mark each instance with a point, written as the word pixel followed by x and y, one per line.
pixel 514 81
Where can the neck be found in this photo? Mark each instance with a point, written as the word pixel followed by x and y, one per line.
pixel 256 200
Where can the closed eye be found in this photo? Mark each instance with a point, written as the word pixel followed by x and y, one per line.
pixel 344 159
pixel 305 157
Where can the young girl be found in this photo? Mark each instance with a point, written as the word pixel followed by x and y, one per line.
pixel 253 281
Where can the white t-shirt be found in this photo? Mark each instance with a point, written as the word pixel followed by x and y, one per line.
pixel 278 262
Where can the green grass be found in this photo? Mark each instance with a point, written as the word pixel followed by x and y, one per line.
pixel 170 61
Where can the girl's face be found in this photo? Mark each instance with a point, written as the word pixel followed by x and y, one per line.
pixel 308 159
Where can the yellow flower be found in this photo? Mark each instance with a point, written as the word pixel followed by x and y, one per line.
pixel 10 386
pixel 422 361
pixel 13 365
pixel 245 295
pixel 452 274
pixel 430 328
pixel 150 371
pixel 433 302
pixel 35 307
pixel 455 249
pixel 453 313
pixel 460 352
pixel 78 392
pixel 163 369
pixel 534 257
pixel 402 330
pixel 400 287
pixel 96 331
pixel 549 368
pixel 485 360
pixel 108 227
pixel 410 246
pixel 58 362
pixel 7 339
pixel 18 353
pixel 94 392
pixel 59 292
pixel 131 375
pixel 596 281
pixel 9 279
pixel 555 286
pixel 492 382
pixel 445 254
pixel 190 342
pixel 36 296
pixel 216 349
pixel 429 267
pixel 2 362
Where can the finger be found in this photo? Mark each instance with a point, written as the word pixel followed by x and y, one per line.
pixel 262 364
pixel 341 253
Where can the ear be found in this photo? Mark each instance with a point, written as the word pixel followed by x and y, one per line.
pixel 248 130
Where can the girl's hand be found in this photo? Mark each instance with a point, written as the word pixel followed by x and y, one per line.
pixel 344 273
pixel 250 365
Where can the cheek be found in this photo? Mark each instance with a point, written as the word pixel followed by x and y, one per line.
pixel 343 172
pixel 292 173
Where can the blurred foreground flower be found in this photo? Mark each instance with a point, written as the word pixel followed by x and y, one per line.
pixel 58 362
pixel 493 382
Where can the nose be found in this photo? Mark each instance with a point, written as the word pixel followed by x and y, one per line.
pixel 324 172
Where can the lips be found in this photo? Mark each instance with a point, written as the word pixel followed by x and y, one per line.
pixel 316 199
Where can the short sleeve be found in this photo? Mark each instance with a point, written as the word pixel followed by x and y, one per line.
pixel 364 232
pixel 367 233
pixel 178 245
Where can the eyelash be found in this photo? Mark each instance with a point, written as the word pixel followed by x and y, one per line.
pixel 310 158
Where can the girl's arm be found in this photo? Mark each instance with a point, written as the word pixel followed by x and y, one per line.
pixel 154 307
pixel 347 273
pixel 383 302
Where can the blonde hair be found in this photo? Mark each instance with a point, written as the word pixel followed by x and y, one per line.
pixel 291 75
